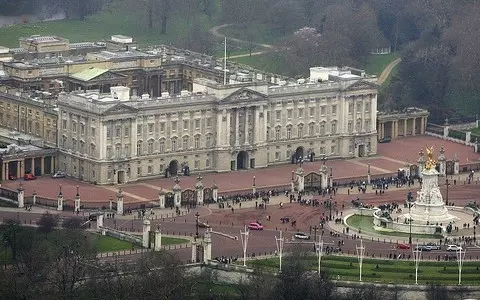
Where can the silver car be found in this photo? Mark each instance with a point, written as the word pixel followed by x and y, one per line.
pixel 59 174
pixel 301 236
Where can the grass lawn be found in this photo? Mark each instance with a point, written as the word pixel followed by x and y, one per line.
pixel 475 131
pixel 101 26
pixel 266 62
pixel 106 243
pixel 377 63
pixel 173 241
pixel 255 32
pixel 385 271
pixel 365 223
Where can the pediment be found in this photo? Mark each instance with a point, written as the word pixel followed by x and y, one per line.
pixel 244 95
pixel 119 108
pixel 362 84
pixel 107 76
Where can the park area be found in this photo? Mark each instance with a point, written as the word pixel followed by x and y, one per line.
pixel 383 271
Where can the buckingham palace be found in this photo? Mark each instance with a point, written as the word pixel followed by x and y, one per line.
pixel 246 123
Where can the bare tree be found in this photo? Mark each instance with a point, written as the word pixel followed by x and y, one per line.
pixel 47 223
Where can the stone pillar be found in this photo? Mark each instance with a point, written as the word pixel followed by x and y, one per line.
pixel 33 165
pixel 456 165
pixel 407 169
pixel 177 193
pixel 19 168
pixel 34 198
pixel 405 127
pixel 158 240
pixel 194 251
pixel 7 172
pixel 120 202
pixel 442 162
pixel 237 129
pixel 246 126
pixel 207 247
pixel 60 200
pixel 468 135
pixel 77 201
pixel 161 198
pixel 215 193
pixel 52 164
pixel 324 177
pixel 99 222
pixel 422 126
pixel 254 185
pixel 300 179
pixel 146 234
pixel 199 188
pixel 413 126
pixel 42 165
pixel 21 196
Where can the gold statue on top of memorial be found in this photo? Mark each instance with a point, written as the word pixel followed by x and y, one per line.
pixel 431 163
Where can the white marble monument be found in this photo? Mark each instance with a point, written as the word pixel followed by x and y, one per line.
pixel 429 208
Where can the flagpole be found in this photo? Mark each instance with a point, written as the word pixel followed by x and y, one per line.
pixel 225 63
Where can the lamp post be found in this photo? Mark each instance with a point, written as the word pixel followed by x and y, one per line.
pixel 244 237
pixel 280 241
pixel 360 253
pixel 460 258
pixel 447 184
pixel 330 206
pixel 196 224
pixel 315 237
pixel 417 255
pixel 409 220
pixel 474 238
pixel 320 253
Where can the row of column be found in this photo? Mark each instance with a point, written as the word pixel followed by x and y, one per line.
pixel 20 167
pixel 393 131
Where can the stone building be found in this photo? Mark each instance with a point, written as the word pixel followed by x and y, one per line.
pixel 408 122
pixel 248 123
pixel 34 116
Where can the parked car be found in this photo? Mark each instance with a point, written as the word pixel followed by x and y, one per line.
pixel 301 236
pixel 434 246
pixel 12 177
pixel 203 225
pixel 29 176
pixel 454 248
pixel 59 174
pixel 255 226
pixel 403 246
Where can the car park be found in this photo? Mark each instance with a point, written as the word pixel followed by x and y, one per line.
pixel 59 174
pixel 454 248
pixel 301 236
pixel 255 226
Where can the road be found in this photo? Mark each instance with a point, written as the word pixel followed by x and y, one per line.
pixel 388 69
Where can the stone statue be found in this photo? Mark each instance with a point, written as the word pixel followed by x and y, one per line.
pixel 431 162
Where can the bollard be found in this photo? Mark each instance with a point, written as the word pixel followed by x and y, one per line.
pixel 232 224
pixel 220 222
pixel 185 220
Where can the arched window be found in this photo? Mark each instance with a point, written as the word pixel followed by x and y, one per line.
pixel 139 148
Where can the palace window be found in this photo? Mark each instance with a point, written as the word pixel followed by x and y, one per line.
pixel 334 110
pixel 358 126
pixel 323 110
pixel 311 129
pixel 174 144
pixel 350 126
pixel 118 131
pixel 334 128
pixel 150 146
pixel 322 128
pixel 208 141
pixel 289 114
pixel 118 150
pixel 161 146
pixel 127 150
pixel 126 131
pixel 139 129
pixel 197 142
pixel 300 113
pixel 300 130
pixel 150 128
pixel 139 148
pixel 174 126
pixel 278 133
pixel 312 112
pixel 289 132
pixel 185 143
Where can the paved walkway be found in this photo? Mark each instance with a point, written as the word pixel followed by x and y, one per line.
pixel 386 72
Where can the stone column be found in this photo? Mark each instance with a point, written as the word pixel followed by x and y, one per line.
pixel 405 127
pixel 158 240
pixel 456 165
pixel 42 165
pixel 324 177
pixel 246 126
pixel 194 251
pixel 146 233
pixel 52 164
pixel 33 165
pixel 19 168
pixel 254 186
pixel 422 126
pixel 369 178
pixel 256 129
pixel 77 201
pixel 300 179
pixel 99 222
pixel 120 202
pixel 177 193
pixel 199 188
pixel 413 126
pixel 60 200
pixel 21 196
pixel 215 193
pixel 34 197
pixel 442 162
pixel 207 247
pixel 161 198
pixel 237 129
pixel 7 172
pixel 421 163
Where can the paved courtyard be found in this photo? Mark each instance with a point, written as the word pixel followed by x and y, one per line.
pixel 391 156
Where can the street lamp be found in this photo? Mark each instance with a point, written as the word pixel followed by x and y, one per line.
pixel 447 184
pixel 474 238
pixel 329 203
pixel 196 223
pixel 315 238
pixel 244 236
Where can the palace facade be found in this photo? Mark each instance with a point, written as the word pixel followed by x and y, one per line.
pixel 247 123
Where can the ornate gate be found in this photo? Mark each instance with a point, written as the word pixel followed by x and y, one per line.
pixel 189 198
pixel 450 167
pixel 313 181
pixel 208 195
pixel 169 200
